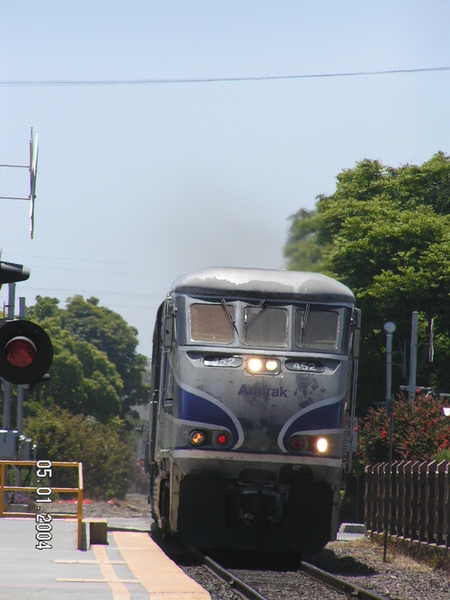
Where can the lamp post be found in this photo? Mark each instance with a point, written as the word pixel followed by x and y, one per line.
pixel 389 328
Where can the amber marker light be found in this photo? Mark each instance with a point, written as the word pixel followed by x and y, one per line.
pixel 197 437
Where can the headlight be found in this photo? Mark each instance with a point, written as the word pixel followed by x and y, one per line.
pixel 263 366
pixel 254 365
pixel 322 445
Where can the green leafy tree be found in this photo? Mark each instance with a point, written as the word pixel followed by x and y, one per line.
pixel 106 453
pixel 385 233
pixel 110 333
pixel 96 369
pixel 83 380
pixel 302 249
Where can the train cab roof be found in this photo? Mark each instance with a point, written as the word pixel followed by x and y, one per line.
pixel 267 283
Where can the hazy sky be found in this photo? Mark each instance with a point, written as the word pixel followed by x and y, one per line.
pixel 140 183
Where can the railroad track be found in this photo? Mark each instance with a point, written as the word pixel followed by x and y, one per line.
pixel 338 584
pixel 318 575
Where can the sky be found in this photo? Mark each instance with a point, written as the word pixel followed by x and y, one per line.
pixel 218 122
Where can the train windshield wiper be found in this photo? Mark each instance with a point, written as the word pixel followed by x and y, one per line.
pixel 253 312
pixel 228 313
pixel 305 316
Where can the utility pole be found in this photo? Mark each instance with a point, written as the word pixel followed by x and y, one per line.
pixel 413 356
pixel 7 384
pixel 20 388
pixel 389 328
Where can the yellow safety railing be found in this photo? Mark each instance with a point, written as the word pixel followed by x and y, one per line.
pixel 43 493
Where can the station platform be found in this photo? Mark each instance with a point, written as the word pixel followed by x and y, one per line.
pixel 130 566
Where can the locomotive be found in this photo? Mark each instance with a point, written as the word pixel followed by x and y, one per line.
pixel 254 379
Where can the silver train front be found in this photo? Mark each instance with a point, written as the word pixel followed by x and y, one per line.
pixel 247 458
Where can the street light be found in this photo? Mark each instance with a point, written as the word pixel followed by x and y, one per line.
pixel 389 328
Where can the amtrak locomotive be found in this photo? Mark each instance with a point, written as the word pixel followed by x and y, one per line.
pixel 253 377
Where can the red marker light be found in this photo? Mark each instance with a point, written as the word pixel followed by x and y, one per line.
pixel 296 443
pixel 20 352
pixel 222 439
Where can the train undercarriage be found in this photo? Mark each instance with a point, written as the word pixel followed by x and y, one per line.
pixel 251 513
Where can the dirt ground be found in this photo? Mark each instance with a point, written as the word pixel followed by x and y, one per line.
pixel 133 506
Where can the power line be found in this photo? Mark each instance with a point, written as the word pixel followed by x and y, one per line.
pixel 117 82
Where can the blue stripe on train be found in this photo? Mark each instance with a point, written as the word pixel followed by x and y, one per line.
pixel 324 417
pixel 195 408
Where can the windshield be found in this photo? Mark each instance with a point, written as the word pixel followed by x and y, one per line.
pixel 212 323
pixel 265 326
pixel 319 328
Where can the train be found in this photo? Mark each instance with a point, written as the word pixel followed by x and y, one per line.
pixel 254 377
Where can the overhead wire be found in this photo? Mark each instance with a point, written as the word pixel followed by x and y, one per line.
pixel 118 82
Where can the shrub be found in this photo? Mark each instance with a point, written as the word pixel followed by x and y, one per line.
pixel 107 458
pixel 421 431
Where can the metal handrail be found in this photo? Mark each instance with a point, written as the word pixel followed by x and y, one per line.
pixel 60 490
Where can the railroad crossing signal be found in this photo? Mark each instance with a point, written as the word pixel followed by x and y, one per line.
pixel 12 273
pixel 26 352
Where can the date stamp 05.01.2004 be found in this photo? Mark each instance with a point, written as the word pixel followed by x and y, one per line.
pixel 43 521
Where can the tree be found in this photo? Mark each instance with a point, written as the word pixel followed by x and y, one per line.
pixel 110 333
pixel 105 450
pixel 301 247
pixel 96 370
pixel 83 379
pixel 385 233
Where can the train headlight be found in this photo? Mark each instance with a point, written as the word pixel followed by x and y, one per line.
pixel 264 366
pixel 254 365
pixel 272 365
pixel 322 445
pixel 197 437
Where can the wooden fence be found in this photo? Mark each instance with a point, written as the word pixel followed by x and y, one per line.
pixel 418 507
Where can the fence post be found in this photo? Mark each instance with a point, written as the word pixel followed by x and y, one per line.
pixel 431 502
pixel 415 497
pixel 423 502
pixel 439 502
pixel 380 497
pixel 368 498
pixel 407 499
pixel 446 506
pixel 400 499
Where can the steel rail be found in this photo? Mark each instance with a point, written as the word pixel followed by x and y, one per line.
pixel 338 584
pixel 226 576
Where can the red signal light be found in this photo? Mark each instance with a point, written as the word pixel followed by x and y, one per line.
pixel 20 352
pixel 26 352
pixel 296 443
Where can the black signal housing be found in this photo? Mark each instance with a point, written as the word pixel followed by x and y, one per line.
pixel 24 332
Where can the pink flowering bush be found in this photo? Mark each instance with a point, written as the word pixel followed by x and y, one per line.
pixel 421 431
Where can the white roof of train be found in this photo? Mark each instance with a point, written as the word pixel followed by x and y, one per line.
pixel 226 281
